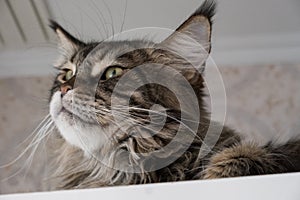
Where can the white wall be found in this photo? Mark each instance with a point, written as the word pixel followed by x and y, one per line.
pixel 245 32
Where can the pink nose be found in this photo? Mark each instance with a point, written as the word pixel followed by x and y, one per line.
pixel 65 88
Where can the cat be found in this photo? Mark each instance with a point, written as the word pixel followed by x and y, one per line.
pixel 112 136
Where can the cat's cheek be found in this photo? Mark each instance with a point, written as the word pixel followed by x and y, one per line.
pixel 55 105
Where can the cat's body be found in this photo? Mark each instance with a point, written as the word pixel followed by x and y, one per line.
pixel 96 150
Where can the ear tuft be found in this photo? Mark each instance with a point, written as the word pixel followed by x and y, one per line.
pixel 66 41
pixel 207 9
pixel 54 25
pixel 192 39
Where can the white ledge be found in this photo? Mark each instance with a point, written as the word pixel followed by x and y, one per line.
pixel 268 187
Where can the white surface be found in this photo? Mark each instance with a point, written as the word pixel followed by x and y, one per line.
pixel 30 30
pixel 245 32
pixel 234 18
pixel 30 62
pixel 248 51
pixel 270 187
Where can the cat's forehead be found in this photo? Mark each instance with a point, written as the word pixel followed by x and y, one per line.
pixel 106 53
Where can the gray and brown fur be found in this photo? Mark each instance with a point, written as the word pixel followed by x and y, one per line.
pixel 230 157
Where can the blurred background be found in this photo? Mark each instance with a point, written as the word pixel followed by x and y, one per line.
pixel 256 45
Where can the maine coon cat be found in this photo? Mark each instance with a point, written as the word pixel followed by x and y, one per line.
pixel 106 142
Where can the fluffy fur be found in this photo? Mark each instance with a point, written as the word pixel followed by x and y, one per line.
pixel 93 150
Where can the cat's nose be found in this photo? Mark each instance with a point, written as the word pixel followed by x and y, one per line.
pixel 67 86
pixel 64 89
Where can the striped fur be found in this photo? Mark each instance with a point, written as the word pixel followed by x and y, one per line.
pixel 78 166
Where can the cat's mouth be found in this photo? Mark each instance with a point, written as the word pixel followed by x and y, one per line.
pixel 64 111
pixel 72 112
pixel 77 117
pixel 76 126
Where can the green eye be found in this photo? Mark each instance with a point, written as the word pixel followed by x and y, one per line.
pixel 69 75
pixel 113 72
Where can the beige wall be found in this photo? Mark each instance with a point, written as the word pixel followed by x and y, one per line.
pixel 23 104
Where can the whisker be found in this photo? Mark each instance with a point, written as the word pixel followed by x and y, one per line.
pixel 33 142
pixel 111 18
pixel 29 159
pixel 124 15
pixel 42 123
pixel 40 132
pixel 128 117
pixel 101 18
pixel 171 117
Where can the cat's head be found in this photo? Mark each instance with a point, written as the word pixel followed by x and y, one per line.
pixel 107 93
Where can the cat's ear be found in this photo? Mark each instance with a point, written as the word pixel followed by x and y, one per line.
pixel 192 39
pixel 67 42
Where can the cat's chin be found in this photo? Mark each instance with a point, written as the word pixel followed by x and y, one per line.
pixel 86 136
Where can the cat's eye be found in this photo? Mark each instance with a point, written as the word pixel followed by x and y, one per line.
pixel 68 75
pixel 112 72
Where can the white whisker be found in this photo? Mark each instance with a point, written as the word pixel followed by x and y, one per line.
pixel 43 130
